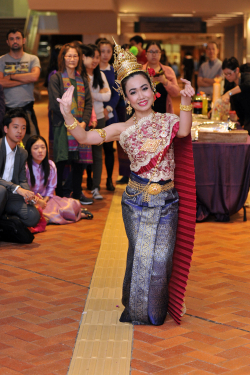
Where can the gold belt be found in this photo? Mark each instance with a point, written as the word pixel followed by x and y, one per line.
pixel 149 189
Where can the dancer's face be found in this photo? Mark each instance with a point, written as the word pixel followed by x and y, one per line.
pixel 38 151
pixel 139 93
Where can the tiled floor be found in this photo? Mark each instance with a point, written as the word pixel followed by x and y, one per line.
pixel 43 288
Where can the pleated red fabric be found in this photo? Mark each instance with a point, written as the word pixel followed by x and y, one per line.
pixel 184 182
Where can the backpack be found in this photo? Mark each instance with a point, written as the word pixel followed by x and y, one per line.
pixel 12 229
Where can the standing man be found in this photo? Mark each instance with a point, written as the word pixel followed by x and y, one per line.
pixel 138 42
pixel 2 109
pixel 209 70
pixel 15 194
pixel 18 72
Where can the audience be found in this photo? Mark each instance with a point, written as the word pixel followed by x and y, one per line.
pixel 42 178
pixel 209 70
pixel 16 198
pixel 66 149
pixel 2 110
pixel 106 52
pixel 138 42
pixel 164 78
pixel 237 90
pixel 96 104
pixel 101 93
pixel 18 73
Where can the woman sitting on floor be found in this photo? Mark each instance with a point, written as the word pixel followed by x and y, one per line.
pixel 42 178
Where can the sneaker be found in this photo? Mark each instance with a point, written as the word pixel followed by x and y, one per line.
pixel 96 194
pixel 84 200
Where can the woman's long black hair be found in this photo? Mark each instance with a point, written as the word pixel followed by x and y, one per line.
pixel 97 79
pixel 45 163
pixel 88 52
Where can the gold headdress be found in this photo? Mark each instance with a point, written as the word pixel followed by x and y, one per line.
pixel 125 63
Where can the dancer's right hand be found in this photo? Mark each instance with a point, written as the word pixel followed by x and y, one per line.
pixel 66 101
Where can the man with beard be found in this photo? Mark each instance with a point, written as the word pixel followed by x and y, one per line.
pixel 18 72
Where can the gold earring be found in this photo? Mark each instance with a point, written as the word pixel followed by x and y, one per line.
pixel 129 108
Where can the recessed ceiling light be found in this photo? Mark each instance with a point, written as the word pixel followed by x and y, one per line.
pixel 182 15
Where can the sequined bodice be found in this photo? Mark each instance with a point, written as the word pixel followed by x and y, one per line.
pixel 133 141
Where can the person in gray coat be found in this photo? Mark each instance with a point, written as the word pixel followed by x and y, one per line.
pixel 15 195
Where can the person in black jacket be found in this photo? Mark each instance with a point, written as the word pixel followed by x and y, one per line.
pixel 15 194
pixel 237 90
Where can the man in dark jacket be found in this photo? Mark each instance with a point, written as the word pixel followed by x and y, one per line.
pixel 237 90
pixel 15 194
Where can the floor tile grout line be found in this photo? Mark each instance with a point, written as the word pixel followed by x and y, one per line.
pixel 42 274
pixel 213 321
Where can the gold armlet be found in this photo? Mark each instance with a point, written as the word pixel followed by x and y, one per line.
pixel 186 108
pixel 102 134
pixel 72 126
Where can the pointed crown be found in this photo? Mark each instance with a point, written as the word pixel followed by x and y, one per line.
pixel 125 63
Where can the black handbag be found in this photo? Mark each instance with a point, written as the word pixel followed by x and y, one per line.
pixel 12 229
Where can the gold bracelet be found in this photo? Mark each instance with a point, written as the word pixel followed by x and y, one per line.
pixel 186 108
pixel 72 126
pixel 102 133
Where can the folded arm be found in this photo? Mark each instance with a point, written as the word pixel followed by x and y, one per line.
pixel 205 82
pixel 7 83
pixel 25 78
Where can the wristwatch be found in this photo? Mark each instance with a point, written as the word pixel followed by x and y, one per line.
pixel 230 93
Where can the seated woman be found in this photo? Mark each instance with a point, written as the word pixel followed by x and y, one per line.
pixel 42 178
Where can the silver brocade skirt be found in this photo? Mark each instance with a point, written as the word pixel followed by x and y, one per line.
pixel 151 231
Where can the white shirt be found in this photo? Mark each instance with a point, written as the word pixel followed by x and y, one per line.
pixel 9 164
pixel 99 98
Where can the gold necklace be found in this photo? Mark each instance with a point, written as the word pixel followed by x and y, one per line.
pixel 151 145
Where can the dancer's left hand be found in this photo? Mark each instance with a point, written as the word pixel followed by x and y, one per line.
pixel 188 89
pixel 66 101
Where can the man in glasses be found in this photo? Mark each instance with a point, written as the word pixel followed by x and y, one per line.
pixel 209 70
pixel 237 90
pixel 18 73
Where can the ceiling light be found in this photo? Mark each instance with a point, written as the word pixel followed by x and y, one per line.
pixel 182 15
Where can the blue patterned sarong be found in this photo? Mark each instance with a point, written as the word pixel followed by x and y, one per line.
pixel 151 231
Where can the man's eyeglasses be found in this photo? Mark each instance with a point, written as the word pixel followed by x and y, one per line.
pixel 229 74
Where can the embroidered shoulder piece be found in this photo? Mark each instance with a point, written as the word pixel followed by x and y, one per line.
pixel 144 142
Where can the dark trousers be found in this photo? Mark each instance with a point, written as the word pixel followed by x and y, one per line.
pixel 14 204
pixel 97 158
pixel 109 158
pixel 77 171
